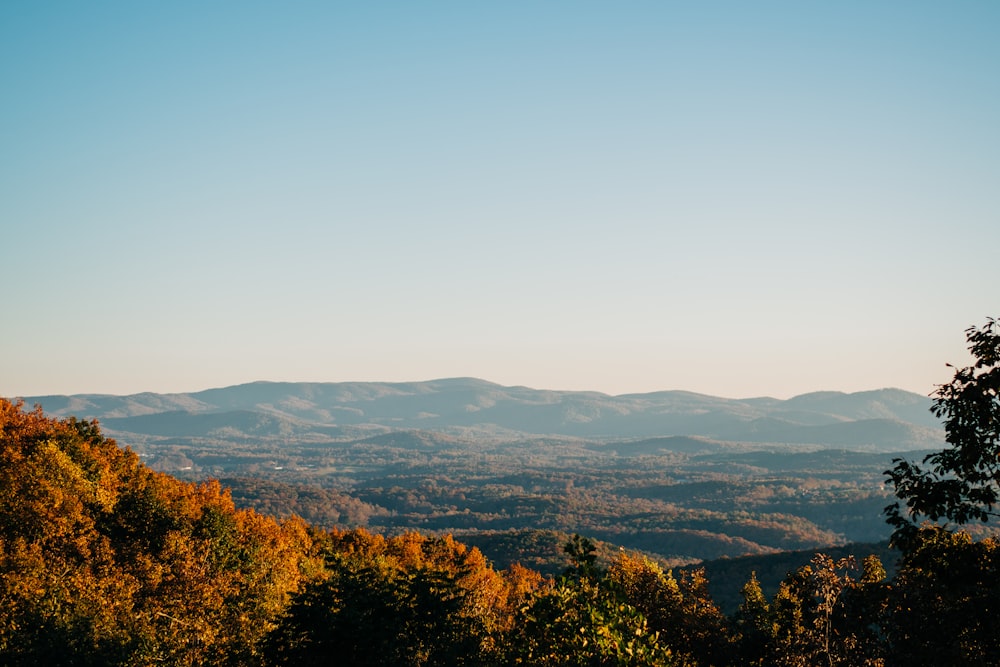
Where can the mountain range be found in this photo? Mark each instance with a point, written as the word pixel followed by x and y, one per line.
pixel 880 420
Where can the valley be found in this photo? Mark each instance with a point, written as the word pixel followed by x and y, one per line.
pixel 681 477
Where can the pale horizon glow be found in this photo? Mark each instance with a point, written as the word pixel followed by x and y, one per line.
pixel 735 199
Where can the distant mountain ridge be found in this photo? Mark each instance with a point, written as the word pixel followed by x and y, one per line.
pixel 878 420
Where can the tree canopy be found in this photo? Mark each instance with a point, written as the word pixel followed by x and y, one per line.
pixel 960 483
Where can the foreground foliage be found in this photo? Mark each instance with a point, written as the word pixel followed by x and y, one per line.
pixel 961 483
pixel 103 561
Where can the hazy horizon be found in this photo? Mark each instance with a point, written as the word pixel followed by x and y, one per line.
pixel 735 199
pixel 444 379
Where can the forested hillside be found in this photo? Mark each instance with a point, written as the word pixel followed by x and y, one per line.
pixel 104 561
pixel 681 477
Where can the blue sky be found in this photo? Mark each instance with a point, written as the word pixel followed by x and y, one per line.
pixel 733 198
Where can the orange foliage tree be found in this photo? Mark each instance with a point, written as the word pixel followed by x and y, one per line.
pixel 103 561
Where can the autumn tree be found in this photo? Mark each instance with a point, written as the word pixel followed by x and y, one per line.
pixel 103 561
pixel 57 600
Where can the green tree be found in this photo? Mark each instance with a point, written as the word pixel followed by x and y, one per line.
pixel 582 555
pixel 682 613
pixel 583 622
pixel 945 602
pixel 589 617
pixel 755 625
pixel 960 483
pixel 369 612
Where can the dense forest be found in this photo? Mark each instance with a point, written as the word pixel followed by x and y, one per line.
pixel 105 561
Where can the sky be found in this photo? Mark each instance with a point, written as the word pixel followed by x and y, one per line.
pixel 733 198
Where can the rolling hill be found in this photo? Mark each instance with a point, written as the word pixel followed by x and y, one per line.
pixel 880 420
